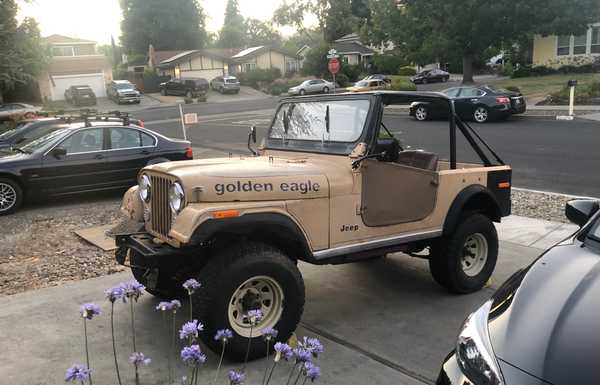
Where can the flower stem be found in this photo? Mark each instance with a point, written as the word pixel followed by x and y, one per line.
pixel 173 340
pixel 271 373
pixel 267 365
pixel 291 374
pixel 304 382
pixel 191 312
pixel 167 327
pixel 220 362
pixel 248 348
pixel 299 373
pixel 87 352
pixel 112 331
pixel 192 377
pixel 196 376
pixel 137 374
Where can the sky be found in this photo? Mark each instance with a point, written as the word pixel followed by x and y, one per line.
pixel 99 19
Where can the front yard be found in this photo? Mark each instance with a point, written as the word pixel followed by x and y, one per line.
pixel 542 86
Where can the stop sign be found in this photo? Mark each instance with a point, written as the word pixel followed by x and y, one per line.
pixel 334 65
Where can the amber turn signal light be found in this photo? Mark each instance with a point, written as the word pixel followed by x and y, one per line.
pixel 504 185
pixel 225 214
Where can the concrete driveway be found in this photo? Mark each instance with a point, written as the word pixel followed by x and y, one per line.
pixel 382 322
pixel 246 93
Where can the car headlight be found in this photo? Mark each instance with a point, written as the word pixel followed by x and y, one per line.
pixel 176 197
pixel 144 188
pixel 474 349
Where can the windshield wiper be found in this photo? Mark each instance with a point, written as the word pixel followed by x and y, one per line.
pixel 19 150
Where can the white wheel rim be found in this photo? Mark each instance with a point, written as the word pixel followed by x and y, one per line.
pixel 262 293
pixel 421 113
pixel 474 254
pixel 8 197
pixel 481 115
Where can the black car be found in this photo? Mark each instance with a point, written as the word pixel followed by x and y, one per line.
pixel 542 325
pixel 430 76
pixel 82 157
pixel 189 87
pixel 480 104
pixel 80 96
pixel 29 130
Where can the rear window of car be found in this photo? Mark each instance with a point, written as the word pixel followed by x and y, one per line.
pixel 230 80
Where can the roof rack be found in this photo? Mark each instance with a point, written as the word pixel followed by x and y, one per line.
pixel 88 115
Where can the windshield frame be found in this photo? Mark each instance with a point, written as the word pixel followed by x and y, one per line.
pixel 319 147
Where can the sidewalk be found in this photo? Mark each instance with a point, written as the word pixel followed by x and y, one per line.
pixel 382 322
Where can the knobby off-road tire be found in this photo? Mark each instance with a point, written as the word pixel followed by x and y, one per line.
pixel 464 261
pixel 248 267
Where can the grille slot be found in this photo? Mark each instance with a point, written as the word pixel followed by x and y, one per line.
pixel 161 212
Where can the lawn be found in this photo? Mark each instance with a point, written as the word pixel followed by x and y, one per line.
pixel 541 86
pixel 402 83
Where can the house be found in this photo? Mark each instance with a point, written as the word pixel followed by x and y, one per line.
pixel 192 64
pixel 73 61
pixel 352 51
pixel 264 57
pixel 555 51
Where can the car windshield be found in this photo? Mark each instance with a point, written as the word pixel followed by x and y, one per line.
pixel 595 231
pixel 230 80
pixel 362 83
pixel 307 121
pixel 44 140
pixel 6 135
pixel 124 86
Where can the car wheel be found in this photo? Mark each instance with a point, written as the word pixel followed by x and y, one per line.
pixel 246 277
pixel 444 79
pixel 189 94
pixel 424 81
pixel 11 196
pixel 464 261
pixel 325 90
pixel 481 114
pixel 163 92
pixel 421 113
pixel 302 92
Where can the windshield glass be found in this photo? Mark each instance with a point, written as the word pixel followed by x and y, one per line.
pixel 124 86
pixel 44 140
pixel 12 132
pixel 307 121
pixel 230 80
pixel 595 231
pixel 362 83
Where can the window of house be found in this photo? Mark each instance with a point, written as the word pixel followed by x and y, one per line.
pixel 249 67
pixel 596 40
pixel 580 45
pixel 563 46
pixel 63 51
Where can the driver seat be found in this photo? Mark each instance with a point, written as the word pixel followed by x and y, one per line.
pixel 419 159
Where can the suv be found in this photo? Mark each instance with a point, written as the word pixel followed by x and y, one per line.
pixel 123 91
pixel 191 87
pixel 331 185
pixel 80 96
pixel 225 84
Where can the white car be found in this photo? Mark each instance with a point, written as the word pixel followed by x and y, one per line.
pixel 17 111
pixel 313 86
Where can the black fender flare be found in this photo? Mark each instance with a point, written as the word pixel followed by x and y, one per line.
pixel 476 198
pixel 248 224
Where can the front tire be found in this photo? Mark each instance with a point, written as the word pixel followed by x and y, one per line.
pixel 421 113
pixel 245 277
pixel 11 196
pixel 325 90
pixel 481 114
pixel 464 261
pixel 302 92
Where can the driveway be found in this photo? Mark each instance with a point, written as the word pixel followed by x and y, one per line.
pixel 246 93
pixel 382 322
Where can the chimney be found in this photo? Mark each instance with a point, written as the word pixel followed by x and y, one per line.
pixel 151 56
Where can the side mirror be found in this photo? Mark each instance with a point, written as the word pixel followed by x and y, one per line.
pixel 58 152
pixel 580 211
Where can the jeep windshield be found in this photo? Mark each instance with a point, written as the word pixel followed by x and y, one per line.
pixel 329 126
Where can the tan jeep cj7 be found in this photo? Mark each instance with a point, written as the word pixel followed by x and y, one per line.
pixel 331 185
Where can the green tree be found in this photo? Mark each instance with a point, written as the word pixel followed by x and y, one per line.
pixel 233 32
pixel 22 55
pixel 258 32
pixel 437 28
pixel 381 21
pixel 178 25
pixel 315 62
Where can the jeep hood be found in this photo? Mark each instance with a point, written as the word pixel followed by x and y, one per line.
pixel 248 179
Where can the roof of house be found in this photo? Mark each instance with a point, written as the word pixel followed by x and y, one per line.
pixel 255 51
pixel 349 37
pixel 160 56
pixel 180 55
pixel 352 47
pixel 61 39
pixel 225 53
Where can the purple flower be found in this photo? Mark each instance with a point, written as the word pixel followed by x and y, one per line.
pixel 190 329
pixel 138 358
pixel 236 378
pixel 283 351
pixel 255 316
pixel 89 310
pixel 192 355
pixel 313 345
pixel 164 306
pixel 223 335
pixel 191 285
pixel 77 372
pixel 302 355
pixel 175 304
pixel 114 293
pixel 312 371
pixel 133 289
pixel 269 333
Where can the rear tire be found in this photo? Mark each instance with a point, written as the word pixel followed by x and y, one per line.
pixel 481 114
pixel 421 113
pixel 464 261
pixel 189 94
pixel 243 277
pixel 11 196
pixel 163 92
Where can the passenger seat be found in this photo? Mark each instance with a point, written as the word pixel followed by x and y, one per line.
pixel 419 159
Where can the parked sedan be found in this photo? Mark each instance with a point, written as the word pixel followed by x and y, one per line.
pixel 480 104
pixel 189 87
pixel 541 326
pixel 225 84
pixel 17 111
pixel 80 96
pixel 82 157
pixel 313 86
pixel 431 76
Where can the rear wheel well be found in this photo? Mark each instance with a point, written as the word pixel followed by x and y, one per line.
pixel 473 200
pixel 484 204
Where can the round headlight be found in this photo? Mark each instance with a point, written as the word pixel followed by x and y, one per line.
pixel 176 197
pixel 144 188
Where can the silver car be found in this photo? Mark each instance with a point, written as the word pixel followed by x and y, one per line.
pixel 311 87
pixel 225 84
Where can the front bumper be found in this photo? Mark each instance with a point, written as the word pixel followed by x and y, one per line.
pixel 144 244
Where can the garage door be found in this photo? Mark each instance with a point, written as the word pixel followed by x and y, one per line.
pixel 59 84
pixel 206 74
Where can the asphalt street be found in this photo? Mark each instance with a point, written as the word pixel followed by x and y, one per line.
pixel 545 154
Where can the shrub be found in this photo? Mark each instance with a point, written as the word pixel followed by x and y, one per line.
pixel 255 77
pixel 513 89
pixel 400 83
pixel 522 72
pixel 407 71
pixel 352 72
pixel 387 64
pixel 508 69
pixel 341 79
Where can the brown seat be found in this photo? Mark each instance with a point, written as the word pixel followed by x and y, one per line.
pixel 419 159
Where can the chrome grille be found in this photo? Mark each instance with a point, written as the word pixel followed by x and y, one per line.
pixel 159 198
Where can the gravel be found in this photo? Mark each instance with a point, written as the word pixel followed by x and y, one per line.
pixel 39 247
